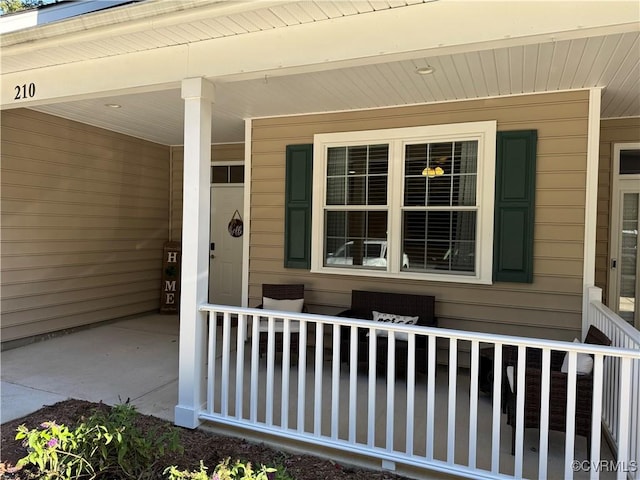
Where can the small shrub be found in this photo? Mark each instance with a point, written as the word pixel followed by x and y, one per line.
pixel 51 449
pixel 106 445
pixel 224 471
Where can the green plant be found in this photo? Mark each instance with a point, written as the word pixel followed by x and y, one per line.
pixel 224 471
pixel 135 453
pixel 51 449
pixel 107 445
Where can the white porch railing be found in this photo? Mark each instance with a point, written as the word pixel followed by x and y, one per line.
pixel 437 422
pixel 625 336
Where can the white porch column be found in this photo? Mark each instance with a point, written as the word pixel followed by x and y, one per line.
pixel 591 203
pixel 198 95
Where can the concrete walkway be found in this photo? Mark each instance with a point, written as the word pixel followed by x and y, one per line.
pixel 135 359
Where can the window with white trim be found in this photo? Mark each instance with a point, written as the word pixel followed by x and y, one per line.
pixel 410 202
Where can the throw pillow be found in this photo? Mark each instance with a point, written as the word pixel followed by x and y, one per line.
pixel 584 363
pixel 283 305
pixel 393 318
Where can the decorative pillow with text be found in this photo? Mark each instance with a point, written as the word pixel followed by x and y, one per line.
pixel 394 318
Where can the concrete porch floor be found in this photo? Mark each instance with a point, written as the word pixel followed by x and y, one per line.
pixel 138 359
pixel 135 358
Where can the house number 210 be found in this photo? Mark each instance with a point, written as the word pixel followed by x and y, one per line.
pixel 25 91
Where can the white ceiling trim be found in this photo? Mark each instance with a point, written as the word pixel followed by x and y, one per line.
pixel 336 64
pixel 319 46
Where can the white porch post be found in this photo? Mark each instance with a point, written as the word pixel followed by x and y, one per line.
pixel 198 95
pixel 591 203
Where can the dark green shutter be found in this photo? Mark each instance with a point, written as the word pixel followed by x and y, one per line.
pixel 514 207
pixel 297 217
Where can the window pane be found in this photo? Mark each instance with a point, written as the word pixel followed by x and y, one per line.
pixel 629 162
pixel 336 161
pixel 415 191
pixel 219 174
pixel 465 160
pixel 356 239
pixel 357 160
pixel 336 190
pixel 356 194
pixel 357 175
pixel 439 191
pixel 378 159
pixel 441 174
pixel 415 159
pixel 377 190
pixel 464 191
pixel 465 169
pixel 440 241
pixel 236 174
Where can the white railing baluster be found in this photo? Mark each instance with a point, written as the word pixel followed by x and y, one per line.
pixel 371 402
pixel 624 415
pixel 255 338
pixel 451 411
pixel 286 368
pixel 226 353
pixel 570 427
pixel 391 377
pixel 520 394
pixel 544 413
pixel 335 383
pixel 473 404
pixel 211 362
pixel 635 432
pixel 240 341
pixel 596 415
pixel 496 407
pixel 302 376
pixel 353 382
pixel 431 395
pixel 271 354
pixel 411 389
pixel 317 411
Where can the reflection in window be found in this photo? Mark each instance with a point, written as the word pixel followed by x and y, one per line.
pixel 414 202
pixel 439 214
pixel 356 179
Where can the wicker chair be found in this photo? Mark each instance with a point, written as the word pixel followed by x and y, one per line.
pixel 280 292
pixel 557 391
pixel 363 303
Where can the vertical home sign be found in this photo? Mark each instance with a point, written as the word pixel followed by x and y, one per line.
pixel 170 292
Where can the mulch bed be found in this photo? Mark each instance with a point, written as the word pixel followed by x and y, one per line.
pixel 198 445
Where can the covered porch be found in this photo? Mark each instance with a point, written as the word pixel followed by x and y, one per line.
pixel 419 423
pixel 354 416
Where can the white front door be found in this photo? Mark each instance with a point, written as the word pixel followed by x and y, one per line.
pixel 225 263
pixel 624 284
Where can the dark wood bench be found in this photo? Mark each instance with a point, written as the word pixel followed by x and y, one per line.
pixel 364 303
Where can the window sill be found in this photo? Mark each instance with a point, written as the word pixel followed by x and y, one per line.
pixel 444 278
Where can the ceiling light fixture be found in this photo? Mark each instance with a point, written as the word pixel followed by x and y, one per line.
pixel 112 105
pixel 433 172
pixel 428 70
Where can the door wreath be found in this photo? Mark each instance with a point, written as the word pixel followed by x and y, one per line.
pixel 235 226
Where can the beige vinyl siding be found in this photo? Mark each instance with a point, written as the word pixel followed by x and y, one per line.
pixel 550 307
pixel 84 217
pixel 220 153
pixel 624 130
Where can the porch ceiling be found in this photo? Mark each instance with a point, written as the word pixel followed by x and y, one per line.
pixel 597 56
